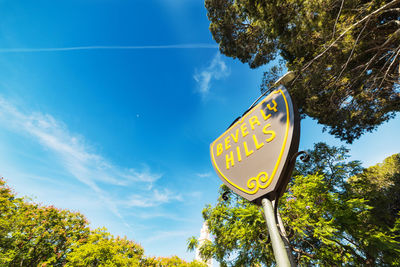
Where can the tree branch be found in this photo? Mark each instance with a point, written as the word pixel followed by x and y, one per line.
pixel 396 22
pixel 303 252
pixel 391 64
pixel 337 18
pixel 352 50
pixel 397 32
pixel 348 29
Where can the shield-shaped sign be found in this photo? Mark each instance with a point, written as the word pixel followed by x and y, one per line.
pixel 253 156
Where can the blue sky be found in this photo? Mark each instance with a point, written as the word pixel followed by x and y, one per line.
pixel 109 107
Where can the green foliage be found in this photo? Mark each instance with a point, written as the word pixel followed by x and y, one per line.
pixel 102 249
pixel 32 235
pixel 379 185
pixel 36 235
pixel 345 54
pixel 331 162
pixel 239 231
pixel 172 261
pixel 337 214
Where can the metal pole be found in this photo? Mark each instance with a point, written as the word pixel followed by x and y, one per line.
pixel 280 254
pixel 286 241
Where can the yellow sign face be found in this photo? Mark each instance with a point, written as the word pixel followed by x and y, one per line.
pixel 252 155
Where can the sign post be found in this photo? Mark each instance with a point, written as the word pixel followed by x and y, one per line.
pixel 281 257
pixel 253 157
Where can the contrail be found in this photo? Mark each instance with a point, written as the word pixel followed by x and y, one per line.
pixel 101 47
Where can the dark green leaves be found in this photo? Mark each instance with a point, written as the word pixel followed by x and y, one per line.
pixel 346 54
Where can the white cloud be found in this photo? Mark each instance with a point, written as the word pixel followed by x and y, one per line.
pixel 74 154
pixel 155 199
pixel 216 70
pixel 145 175
pixel 204 175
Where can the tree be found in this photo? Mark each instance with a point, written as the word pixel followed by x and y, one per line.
pixel 331 162
pixel 379 185
pixel 331 217
pixel 171 261
pixel 240 236
pixel 346 54
pixel 34 235
pixel 37 235
pixel 102 249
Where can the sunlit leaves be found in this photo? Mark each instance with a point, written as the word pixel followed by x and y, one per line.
pixel 37 235
pixel 32 235
pixel 335 213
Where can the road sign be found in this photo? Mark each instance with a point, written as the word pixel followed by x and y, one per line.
pixel 253 156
